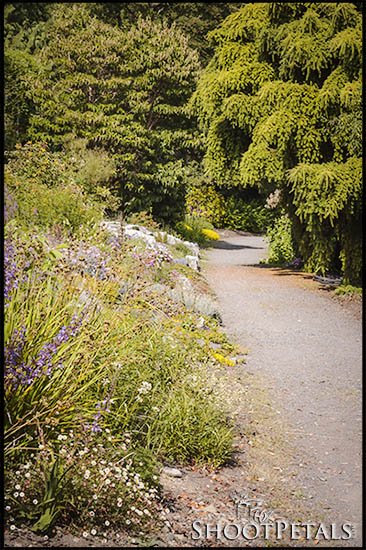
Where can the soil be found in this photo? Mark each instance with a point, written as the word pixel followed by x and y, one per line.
pixel 296 403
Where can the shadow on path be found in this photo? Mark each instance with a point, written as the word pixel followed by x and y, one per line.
pixel 281 271
pixel 229 246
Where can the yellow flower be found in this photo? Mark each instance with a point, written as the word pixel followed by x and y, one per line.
pixel 210 234
pixel 224 360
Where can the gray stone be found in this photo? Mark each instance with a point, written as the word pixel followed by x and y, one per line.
pixel 214 345
pixel 172 472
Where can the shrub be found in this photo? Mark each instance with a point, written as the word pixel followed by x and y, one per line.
pixel 34 163
pixel 348 290
pixel 145 219
pixel 193 227
pixel 247 215
pixel 45 193
pixel 94 171
pixel 204 201
pixel 229 209
pixel 280 241
pixel 65 206
pixel 211 234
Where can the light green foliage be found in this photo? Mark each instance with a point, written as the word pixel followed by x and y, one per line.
pixel 348 290
pixel 329 206
pixel 94 170
pixel 280 241
pixel 283 90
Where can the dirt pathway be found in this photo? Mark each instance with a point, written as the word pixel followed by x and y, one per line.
pixel 307 346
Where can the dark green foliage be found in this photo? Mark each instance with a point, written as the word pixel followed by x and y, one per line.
pixel 247 215
pixel 195 19
pixel 123 90
pixel 280 104
pixel 229 208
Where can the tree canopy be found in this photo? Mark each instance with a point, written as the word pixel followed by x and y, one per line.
pixel 122 90
pixel 117 75
pixel 280 104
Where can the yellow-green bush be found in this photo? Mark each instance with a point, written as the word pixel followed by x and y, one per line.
pixel 197 229
pixel 231 210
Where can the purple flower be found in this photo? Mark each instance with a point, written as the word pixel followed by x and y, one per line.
pixel 17 371
pixel 88 259
pixel 10 205
pixel 102 407
pixel 11 269
pixel 14 350
pixel 95 428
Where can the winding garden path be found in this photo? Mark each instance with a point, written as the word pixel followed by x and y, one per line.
pixel 307 346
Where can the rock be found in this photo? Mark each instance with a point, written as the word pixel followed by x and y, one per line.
pixel 201 323
pixel 132 228
pixel 152 240
pixel 192 262
pixel 170 239
pixel 172 472
pixel 113 227
pixel 193 247
pixel 139 232
pixel 214 345
pixel 181 261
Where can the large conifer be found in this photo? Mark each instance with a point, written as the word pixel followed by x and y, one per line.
pixel 280 103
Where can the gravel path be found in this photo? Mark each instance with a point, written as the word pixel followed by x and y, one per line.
pixel 308 346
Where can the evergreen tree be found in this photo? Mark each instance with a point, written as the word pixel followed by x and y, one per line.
pixel 280 104
pixel 195 19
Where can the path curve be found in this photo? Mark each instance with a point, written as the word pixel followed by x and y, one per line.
pixel 308 346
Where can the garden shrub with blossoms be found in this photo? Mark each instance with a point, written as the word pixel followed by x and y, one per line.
pixel 99 385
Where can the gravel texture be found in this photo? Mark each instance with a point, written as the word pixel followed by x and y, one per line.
pixel 308 347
